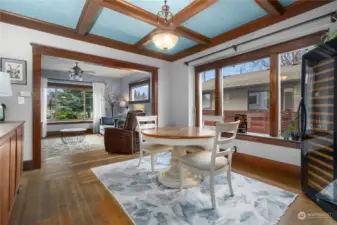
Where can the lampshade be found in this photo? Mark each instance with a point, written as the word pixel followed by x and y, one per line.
pixel 5 85
pixel 122 104
pixel 165 40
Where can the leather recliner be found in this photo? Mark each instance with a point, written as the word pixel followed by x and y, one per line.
pixel 123 140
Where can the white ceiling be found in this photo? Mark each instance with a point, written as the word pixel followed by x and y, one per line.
pixel 62 64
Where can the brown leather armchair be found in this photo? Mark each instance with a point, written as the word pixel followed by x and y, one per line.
pixel 123 140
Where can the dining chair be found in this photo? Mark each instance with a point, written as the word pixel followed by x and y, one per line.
pixel 206 118
pixel 149 122
pixel 212 163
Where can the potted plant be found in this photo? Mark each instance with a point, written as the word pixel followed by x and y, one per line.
pixel 291 133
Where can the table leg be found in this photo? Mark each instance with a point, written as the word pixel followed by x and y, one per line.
pixel 171 177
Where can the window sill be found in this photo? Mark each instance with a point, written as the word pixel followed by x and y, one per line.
pixel 264 139
pixel 68 122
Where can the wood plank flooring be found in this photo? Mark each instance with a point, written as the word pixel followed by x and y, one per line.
pixel 66 192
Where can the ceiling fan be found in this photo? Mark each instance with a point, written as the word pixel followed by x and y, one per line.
pixel 76 73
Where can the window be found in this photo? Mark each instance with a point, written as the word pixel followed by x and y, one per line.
pixel 290 89
pixel 207 84
pixel 246 92
pixel 139 92
pixel 263 87
pixel 66 102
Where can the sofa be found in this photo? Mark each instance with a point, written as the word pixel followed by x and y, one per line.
pixel 106 122
pixel 123 140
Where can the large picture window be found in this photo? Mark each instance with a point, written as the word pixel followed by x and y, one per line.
pixel 69 103
pixel 263 86
pixel 139 92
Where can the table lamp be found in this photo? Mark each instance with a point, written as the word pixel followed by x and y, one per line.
pixel 5 91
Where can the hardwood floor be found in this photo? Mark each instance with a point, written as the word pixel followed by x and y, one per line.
pixel 66 192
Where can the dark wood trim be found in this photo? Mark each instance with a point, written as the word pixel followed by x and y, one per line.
pixel 70 86
pixel 69 122
pixel 274 95
pixel 217 93
pixel 290 11
pixel 272 7
pixel 37 130
pixel 198 112
pixel 29 165
pixel 89 15
pixel 39 50
pixel 154 92
pixel 269 165
pixel 18 20
pixel 297 43
pixel 137 83
pixel 109 62
pixel 191 10
pixel 146 40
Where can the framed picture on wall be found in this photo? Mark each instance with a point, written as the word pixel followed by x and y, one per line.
pixel 139 92
pixel 17 70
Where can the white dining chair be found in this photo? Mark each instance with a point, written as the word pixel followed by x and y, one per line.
pixel 149 122
pixel 212 163
pixel 206 118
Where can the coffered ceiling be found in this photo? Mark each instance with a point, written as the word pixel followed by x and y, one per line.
pixel 129 24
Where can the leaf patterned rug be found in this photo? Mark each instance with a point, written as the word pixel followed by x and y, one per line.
pixel 147 202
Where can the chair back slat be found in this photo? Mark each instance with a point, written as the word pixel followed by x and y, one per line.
pixel 145 123
pixel 224 142
pixel 208 118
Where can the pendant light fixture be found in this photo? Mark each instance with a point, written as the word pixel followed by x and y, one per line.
pixel 165 39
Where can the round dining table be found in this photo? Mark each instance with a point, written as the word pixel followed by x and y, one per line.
pixel 179 138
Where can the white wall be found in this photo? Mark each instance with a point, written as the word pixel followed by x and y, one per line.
pixel 15 44
pixel 182 76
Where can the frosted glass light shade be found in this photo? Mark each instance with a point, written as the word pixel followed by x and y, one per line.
pixel 165 40
pixel 5 85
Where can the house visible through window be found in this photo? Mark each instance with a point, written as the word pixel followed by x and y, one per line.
pixel 69 103
pixel 246 92
pixel 208 87
pixel 207 100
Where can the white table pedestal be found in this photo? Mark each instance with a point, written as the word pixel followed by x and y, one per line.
pixel 171 177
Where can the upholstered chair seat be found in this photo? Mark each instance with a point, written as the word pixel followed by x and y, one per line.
pixel 202 160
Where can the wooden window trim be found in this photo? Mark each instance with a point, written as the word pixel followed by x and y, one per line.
pixel 55 122
pixel 70 86
pixel 271 52
pixel 138 83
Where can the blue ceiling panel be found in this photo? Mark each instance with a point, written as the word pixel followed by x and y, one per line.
pixel 285 3
pixel 62 12
pixel 154 6
pixel 223 16
pixel 182 44
pixel 114 25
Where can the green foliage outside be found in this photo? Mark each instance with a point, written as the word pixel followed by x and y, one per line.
pixel 68 104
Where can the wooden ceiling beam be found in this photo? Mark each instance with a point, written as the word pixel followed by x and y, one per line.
pixel 191 10
pixel 132 11
pixel 290 11
pixel 89 15
pixel 146 40
pixel 272 7
pixel 190 34
pixel 18 20
pixel 150 18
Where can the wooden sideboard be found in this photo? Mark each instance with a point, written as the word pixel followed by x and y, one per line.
pixel 11 148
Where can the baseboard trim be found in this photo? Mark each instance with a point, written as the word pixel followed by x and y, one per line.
pixel 268 164
pixel 28 165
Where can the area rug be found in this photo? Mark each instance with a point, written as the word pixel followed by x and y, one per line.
pixel 53 147
pixel 147 202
